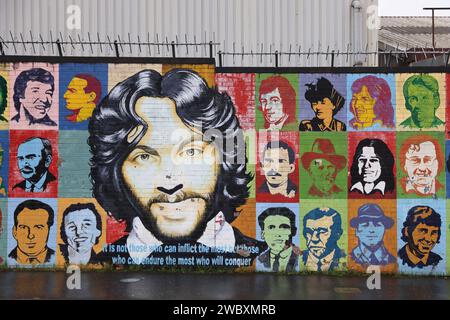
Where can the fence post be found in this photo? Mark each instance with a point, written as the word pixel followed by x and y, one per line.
pixel 173 49
pixel 210 49
pixel 276 58
pixel 116 46
pixel 58 44
pixel 220 58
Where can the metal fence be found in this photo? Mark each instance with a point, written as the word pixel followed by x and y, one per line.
pixel 118 47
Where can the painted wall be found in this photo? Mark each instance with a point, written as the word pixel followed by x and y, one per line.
pixel 174 165
pixel 369 171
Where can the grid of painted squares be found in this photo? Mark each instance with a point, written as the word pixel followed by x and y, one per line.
pixel 350 169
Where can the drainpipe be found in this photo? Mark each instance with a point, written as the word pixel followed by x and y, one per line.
pixel 356 30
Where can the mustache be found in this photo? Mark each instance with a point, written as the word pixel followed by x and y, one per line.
pixel 273 173
pixel 425 172
pixel 26 168
pixel 179 196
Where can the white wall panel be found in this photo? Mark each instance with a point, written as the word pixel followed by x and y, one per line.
pixel 235 24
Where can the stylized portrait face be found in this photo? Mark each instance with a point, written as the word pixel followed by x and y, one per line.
pixel 81 230
pixel 37 99
pixel 422 99
pixel 370 232
pixel 424 238
pixel 323 108
pixel 31 231
pixel 318 233
pixel 323 165
pixel 31 160
pixel 276 166
pixel 323 174
pixel 421 164
pixel 369 166
pixel 158 150
pixel 277 102
pixel 421 102
pixel 277 232
pixel 371 103
pixel 81 97
pixel 421 231
pixel 172 172
pixel 362 105
pixel 272 106
pixel 325 100
pixel 372 169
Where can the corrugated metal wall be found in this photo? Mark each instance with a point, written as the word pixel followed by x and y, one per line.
pixel 237 25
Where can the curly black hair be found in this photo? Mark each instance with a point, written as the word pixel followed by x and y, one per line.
pixel 197 105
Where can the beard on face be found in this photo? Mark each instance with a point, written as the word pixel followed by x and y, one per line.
pixel 149 220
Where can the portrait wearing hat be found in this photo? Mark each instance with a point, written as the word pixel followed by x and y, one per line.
pixel 322 164
pixel 370 226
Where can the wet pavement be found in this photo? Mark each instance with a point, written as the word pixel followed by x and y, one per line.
pixel 182 286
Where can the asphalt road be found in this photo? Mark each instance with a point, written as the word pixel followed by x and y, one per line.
pixel 171 286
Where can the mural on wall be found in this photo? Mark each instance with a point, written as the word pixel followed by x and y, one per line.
pixel 82 232
pixel 447 166
pixel 31 232
pixel 421 243
pixel 276 96
pixel 3 99
pixel 250 149
pixel 424 100
pixel 3 231
pixel 177 195
pixel 241 88
pixel 371 107
pixel 323 159
pixel 82 87
pixel 277 227
pixel 33 163
pixel 322 101
pixel 35 96
pixel 4 162
pixel 174 165
pixel 421 165
pixel 447 113
pixel 372 170
pixel 372 236
pixel 277 177
pixel 73 170
pixel 324 241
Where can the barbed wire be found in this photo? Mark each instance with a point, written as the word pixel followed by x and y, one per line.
pixel 117 46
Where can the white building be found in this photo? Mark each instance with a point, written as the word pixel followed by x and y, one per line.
pixel 249 26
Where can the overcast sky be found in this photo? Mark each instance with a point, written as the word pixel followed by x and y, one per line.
pixel 411 7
